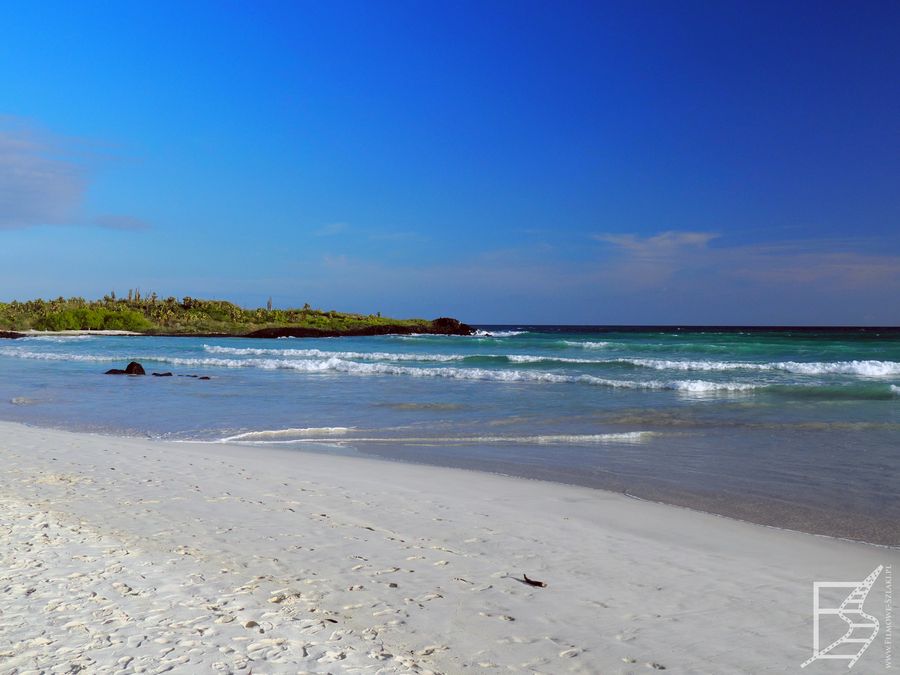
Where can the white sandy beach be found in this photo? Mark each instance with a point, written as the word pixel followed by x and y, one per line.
pixel 129 555
pixel 72 333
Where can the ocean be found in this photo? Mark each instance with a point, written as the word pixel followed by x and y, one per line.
pixel 794 428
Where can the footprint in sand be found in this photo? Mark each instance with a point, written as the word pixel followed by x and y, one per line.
pixel 331 657
pixel 502 617
pixel 431 649
pixel 390 570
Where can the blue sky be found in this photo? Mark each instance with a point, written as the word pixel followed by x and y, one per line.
pixel 629 162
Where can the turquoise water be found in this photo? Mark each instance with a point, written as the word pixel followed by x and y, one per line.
pixel 793 428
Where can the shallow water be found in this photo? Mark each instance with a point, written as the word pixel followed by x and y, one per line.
pixel 793 428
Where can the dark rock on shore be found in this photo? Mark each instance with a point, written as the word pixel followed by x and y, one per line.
pixel 441 326
pixel 450 326
pixel 11 335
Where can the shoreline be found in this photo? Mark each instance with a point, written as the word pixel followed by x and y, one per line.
pixel 440 326
pixel 363 563
pixel 709 504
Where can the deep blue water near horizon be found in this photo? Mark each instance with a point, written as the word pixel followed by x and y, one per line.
pixel 794 427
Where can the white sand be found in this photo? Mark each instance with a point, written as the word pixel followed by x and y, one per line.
pixel 37 333
pixel 139 556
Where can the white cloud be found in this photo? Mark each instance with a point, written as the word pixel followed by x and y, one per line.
pixel 38 185
pixel 659 245
pixel 331 229
pixel 44 178
pixel 120 222
pixel 662 258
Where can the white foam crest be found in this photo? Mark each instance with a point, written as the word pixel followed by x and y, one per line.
pixel 498 333
pixel 525 358
pixel 283 433
pixel 550 439
pixel 335 364
pixel 53 356
pixel 390 356
pixel 862 368
pixel 703 386
pixel 895 389
pixel 56 338
pixel 667 364
pixel 416 336
pixel 350 367
pixel 561 439
pixel 588 344
pixel 321 353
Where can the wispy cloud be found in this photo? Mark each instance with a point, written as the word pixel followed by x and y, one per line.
pixel 649 279
pixel 335 261
pixel 120 222
pixel 663 245
pixel 44 178
pixel 671 255
pixel 39 185
pixel 397 236
pixel 331 229
pixel 341 228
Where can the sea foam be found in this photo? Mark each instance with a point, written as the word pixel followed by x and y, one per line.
pixel 340 365
pixel 867 368
pixel 321 353
pixel 587 344
pixel 289 436
pixel 499 333
pixel 283 433
pixel 335 364
pixel 391 356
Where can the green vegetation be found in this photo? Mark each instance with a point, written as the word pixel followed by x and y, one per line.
pixel 189 315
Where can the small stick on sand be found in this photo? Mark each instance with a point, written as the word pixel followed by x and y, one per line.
pixel 534 582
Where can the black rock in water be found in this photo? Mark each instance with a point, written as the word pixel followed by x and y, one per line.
pixel 134 368
pixel 450 326
pixel 162 374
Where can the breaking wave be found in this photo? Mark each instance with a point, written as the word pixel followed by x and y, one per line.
pixel 342 365
pixel 320 353
pixel 499 333
pixel 861 368
pixel 335 364
pixel 866 368
pixel 524 358
pixel 54 356
pixel 288 436
pixel 587 344
pixel 392 356
pixel 285 433
pixel 60 339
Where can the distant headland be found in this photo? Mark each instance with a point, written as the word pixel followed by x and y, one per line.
pixel 151 315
